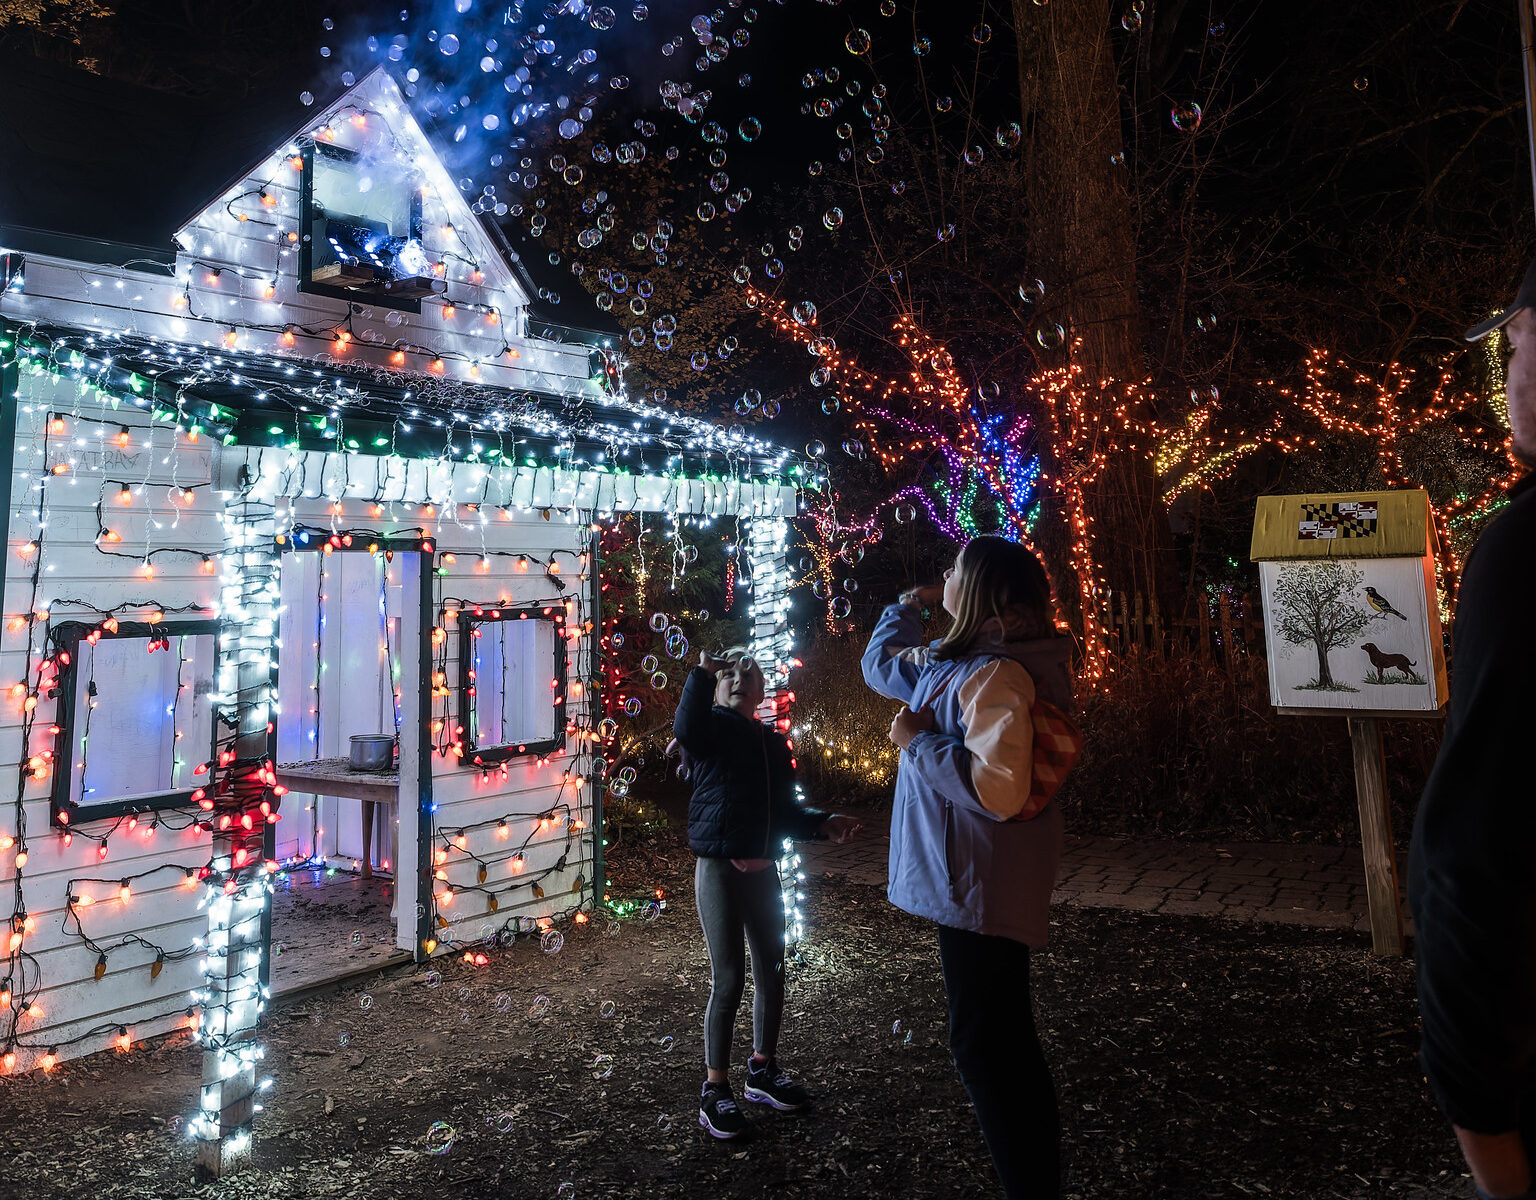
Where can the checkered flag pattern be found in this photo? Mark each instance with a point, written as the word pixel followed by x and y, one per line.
pixel 1058 746
pixel 1341 519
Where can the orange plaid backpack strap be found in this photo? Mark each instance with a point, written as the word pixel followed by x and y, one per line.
pixel 1058 747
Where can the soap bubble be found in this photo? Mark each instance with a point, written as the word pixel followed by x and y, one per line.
pixel 1361 83
pixel 434 979
pixel 1131 22
pixel 1031 291
pixel 840 607
pixel 649 663
pixel 921 46
pixel 552 942
pixel 601 18
pixel 503 1002
pixel 905 513
pixel 815 448
pixel 804 312
pixel 857 41
pixel 659 621
pixel 667 1042
pixel 448 44
pixel 749 128
pixel 357 937
pixel 539 1008
pixel 566 1191
pixel 607 1008
pixel 306 98
pixel 1117 159
pixel 651 911
pixel 365 1002
pixel 440 1137
pixel 632 706
pixel 1008 136
pixel 1186 118
pixel 832 218
pixel 981 34
pixel 618 638
pixel 503 1122
pixel 570 127
pixel 602 1066
pixel 664 1122
pixel 1217 29
pixel 344 1038
pixel 607 728
pixel 1049 335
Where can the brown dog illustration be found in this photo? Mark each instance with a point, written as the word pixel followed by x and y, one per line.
pixel 1386 662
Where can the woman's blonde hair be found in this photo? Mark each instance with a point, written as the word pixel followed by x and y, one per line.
pixel 1002 582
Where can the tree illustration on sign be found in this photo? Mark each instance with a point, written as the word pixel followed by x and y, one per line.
pixel 1314 604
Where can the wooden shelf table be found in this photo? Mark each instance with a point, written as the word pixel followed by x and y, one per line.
pixel 338 777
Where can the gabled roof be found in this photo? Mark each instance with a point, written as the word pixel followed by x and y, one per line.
pixel 109 172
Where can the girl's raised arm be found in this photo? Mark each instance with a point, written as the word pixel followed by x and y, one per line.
pixel 694 723
pixel 893 660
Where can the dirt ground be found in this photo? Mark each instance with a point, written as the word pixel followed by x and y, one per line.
pixel 1193 1058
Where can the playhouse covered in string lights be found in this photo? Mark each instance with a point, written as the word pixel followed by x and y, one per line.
pixel 320 456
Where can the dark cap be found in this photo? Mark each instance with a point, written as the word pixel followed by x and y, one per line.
pixel 1524 298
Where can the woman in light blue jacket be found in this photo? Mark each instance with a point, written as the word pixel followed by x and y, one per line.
pixel 969 850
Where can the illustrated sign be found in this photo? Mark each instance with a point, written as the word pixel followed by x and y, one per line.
pixel 1352 633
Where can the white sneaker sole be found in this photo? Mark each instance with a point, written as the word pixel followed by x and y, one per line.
pixel 757 1096
pixel 715 1133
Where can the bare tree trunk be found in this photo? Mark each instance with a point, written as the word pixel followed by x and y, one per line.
pixel 1082 245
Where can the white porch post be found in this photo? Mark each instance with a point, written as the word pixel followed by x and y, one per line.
pixel 240 802
pixel 771 643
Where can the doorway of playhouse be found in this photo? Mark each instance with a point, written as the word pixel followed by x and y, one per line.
pixel 348 663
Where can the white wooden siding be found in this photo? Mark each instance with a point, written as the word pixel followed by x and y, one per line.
pixel 71 569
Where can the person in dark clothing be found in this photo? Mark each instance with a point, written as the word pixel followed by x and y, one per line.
pixel 1472 868
pixel 743 808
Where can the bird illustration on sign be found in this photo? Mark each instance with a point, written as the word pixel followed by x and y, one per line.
pixel 1382 605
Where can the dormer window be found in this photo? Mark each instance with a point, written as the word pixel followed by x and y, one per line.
pixel 362 229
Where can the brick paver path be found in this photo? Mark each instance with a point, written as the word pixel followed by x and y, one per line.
pixel 1246 881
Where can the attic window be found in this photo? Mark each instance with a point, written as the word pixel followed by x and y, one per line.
pixel 362 234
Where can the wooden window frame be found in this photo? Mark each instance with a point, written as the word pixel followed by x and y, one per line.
pixel 484 756
pixel 67 636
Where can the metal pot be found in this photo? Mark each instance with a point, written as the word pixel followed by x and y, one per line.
pixel 372 752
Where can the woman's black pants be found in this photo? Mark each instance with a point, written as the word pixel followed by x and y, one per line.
pixel 997 1052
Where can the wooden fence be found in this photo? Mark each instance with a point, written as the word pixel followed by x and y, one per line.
pixel 1224 628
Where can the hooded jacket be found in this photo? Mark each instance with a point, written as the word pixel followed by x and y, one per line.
pixel 956 856
pixel 743 803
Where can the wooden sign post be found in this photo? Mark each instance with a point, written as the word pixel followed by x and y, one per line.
pixel 1381 888
pixel 1352 628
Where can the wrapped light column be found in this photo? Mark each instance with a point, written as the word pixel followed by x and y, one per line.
pixel 240 800
pixel 767 574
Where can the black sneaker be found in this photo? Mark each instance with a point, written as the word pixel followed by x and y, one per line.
pixel 718 1112
pixel 768 1084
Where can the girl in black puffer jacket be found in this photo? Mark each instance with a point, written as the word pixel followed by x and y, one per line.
pixel 743 807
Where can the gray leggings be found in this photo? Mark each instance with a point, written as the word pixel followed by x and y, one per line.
pixel 732 902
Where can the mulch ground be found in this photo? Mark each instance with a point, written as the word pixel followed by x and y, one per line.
pixel 1194 1058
